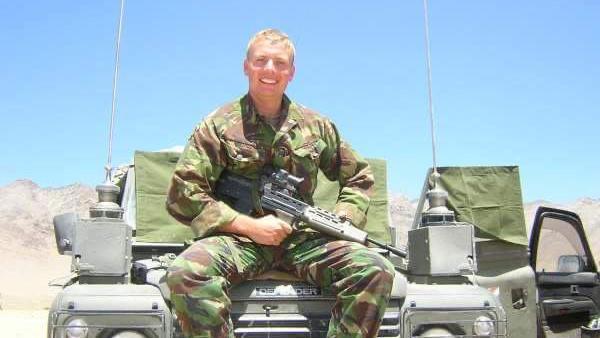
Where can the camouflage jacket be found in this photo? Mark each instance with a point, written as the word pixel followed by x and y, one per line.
pixel 236 138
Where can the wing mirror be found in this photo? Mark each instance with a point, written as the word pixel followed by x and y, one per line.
pixel 570 263
pixel 64 226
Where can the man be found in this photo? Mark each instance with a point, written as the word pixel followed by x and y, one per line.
pixel 264 128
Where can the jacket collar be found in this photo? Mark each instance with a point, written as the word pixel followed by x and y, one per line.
pixel 290 112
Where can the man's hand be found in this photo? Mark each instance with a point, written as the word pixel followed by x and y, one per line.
pixel 267 230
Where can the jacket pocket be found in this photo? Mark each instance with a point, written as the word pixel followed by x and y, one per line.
pixel 305 162
pixel 243 157
pixel 311 150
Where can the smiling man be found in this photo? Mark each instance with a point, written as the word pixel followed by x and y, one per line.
pixel 265 128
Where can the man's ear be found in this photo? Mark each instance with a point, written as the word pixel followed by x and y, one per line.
pixel 292 72
pixel 246 67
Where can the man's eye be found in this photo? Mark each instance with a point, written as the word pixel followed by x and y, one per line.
pixel 260 61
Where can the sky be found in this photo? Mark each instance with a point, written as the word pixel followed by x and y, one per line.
pixel 514 83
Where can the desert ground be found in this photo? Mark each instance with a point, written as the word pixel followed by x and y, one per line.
pixel 25 294
pixel 23 323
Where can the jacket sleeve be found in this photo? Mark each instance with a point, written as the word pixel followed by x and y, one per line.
pixel 190 197
pixel 340 162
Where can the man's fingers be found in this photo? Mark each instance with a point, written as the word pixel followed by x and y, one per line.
pixel 272 230
pixel 286 227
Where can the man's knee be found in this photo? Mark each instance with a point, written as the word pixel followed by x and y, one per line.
pixel 199 298
pixel 381 263
pixel 192 268
pixel 386 266
pixel 375 268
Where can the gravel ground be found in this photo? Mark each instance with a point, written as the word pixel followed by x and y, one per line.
pixel 23 323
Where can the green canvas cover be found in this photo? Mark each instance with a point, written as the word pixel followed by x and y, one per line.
pixel 377 217
pixel 489 198
pixel 153 171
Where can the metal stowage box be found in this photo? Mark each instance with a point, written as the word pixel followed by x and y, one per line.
pixel 102 247
pixel 442 250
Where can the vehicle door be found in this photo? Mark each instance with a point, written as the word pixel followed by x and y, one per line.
pixel 566 274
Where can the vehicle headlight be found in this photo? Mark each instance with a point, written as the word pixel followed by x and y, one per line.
pixel 483 326
pixel 128 334
pixel 77 328
pixel 437 332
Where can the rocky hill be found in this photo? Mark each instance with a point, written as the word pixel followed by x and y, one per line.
pixel 402 210
pixel 26 212
pixel 588 210
pixel 30 259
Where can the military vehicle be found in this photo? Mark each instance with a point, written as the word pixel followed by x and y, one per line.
pixel 468 272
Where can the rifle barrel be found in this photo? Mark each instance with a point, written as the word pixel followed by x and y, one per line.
pixel 392 249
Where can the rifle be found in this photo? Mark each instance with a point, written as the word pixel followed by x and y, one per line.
pixel 276 191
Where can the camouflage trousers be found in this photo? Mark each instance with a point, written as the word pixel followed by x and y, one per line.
pixel 200 277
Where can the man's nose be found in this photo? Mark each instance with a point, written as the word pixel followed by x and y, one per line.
pixel 270 64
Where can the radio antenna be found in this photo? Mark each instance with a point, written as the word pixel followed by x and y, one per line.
pixel 438 212
pixel 108 167
pixel 429 90
pixel 108 192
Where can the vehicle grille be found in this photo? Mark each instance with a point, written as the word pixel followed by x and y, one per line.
pixel 295 325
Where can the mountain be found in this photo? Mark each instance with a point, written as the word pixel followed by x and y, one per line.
pixel 588 210
pixel 30 260
pixel 402 210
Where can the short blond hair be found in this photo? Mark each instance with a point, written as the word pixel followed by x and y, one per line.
pixel 275 36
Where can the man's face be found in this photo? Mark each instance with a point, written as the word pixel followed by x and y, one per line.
pixel 269 69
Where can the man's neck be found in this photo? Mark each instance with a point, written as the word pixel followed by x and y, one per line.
pixel 268 108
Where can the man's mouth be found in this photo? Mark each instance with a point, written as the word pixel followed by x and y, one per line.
pixel 268 81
